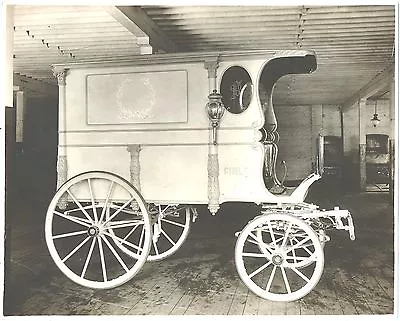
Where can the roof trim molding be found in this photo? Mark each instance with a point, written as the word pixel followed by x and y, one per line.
pixel 187 57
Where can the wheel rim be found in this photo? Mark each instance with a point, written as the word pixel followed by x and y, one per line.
pixel 279 257
pixel 80 235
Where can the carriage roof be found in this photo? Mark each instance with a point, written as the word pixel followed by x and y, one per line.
pixel 188 57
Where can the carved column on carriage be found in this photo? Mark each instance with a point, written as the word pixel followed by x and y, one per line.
pixel 134 168
pixel 62 169
pixel 215 110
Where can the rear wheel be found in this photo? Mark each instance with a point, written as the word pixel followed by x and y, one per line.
pixel 81 236
pixel 170 230
pixel 171 225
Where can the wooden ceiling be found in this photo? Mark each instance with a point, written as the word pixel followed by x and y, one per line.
pixel 354 44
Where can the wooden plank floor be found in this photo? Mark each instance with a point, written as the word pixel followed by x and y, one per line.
pixel 201 278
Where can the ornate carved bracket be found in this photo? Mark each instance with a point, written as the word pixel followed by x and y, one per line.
pixel 60 74
pixel 134 168
pixel 62 174
pixel 213 183
pixel 61 170
pixel 134 151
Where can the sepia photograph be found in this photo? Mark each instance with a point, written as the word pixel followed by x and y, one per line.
pixel 200 159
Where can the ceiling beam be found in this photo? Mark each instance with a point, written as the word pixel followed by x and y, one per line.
pixel 133 18
pixel 380 81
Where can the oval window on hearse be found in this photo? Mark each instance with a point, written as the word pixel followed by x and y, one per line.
pixel 236 89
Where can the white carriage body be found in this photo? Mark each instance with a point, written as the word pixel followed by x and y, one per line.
pixel 145 120
pixel 154 123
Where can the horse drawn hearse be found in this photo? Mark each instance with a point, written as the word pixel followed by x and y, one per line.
pixel 143 141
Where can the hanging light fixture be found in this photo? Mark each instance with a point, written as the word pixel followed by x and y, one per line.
pixel 375 120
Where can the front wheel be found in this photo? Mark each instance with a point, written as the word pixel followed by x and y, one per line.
pixel 279 257
pixel 81 235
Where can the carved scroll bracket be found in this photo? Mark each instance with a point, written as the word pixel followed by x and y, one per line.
pixel 212 66
pixel 134 168
pixel 134 151
pixel 62 174
pixel 213 183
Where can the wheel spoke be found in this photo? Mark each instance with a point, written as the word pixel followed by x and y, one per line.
pixel 286 234
pixel 300 274
pixel 131 231
pixel 60 236
pixel 307 250
pixel 114 237
pixel 119 210
pixel 271 278
pixel 296 246
pixel 293 252
pixel 303 258
pixel 278 240
pixel 263 267
pixel 121 224
pixel 252 242
pixel 285 279
pixel 88 257
pixel 96 219
pixel 117 256
pixel 127 211
pixel 140 241
pixel 155 247
pixel 174 223
pixel 103 262
pixel 77 210
pixel 79 205
pixel 74 219
pixel 110 190
pixel 254 255
pixel 304 247
pixel 267 247
pixel 271 232
pixel 75 249
pixel 160 211
pixel 167 237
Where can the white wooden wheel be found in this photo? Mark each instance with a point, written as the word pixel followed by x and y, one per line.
pixel 279 257
pixel 171 225
pixel 170 229
pixel 80 237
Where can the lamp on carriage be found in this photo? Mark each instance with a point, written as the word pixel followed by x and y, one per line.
pixel 375 120
pixel 215 110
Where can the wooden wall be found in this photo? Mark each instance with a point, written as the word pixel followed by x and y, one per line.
pixel 299 127
pixel 354 124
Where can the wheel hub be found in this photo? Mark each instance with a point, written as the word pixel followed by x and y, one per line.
pixel 93 231
pixel 277 259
